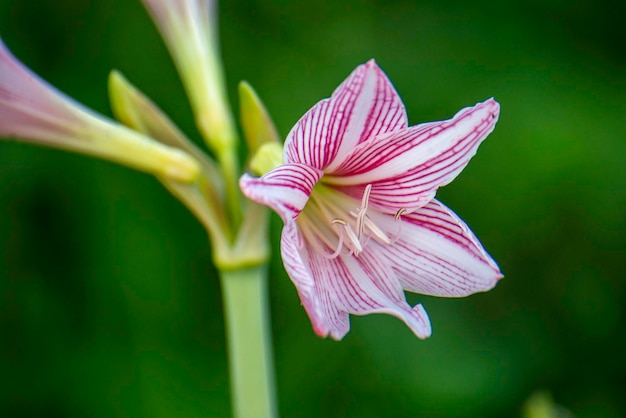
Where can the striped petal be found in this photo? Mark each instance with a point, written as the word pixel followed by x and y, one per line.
pixel 286 189
pixel 363 106
pixel 406 167
pixel 438 255
pixel 332 288
pixel 323 313
pixel 360 286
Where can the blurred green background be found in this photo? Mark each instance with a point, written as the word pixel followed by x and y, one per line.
pixel 109 306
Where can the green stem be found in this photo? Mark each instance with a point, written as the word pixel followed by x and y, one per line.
pixel 230 168
pixel 249 343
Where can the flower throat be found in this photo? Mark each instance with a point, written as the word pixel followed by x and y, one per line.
pixel 330 221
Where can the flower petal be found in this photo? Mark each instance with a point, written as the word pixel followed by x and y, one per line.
pixel 364 285
pixel 406 167
pixel 323 313
pixel 363 106
pixel 330 289
pixel 437 254
pixel 286 189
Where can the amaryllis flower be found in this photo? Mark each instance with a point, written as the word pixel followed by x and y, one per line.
pixel 356 194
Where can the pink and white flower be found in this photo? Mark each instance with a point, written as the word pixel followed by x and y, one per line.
pixel 356 194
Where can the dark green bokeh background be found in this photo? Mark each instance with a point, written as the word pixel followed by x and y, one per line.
pixel 109 306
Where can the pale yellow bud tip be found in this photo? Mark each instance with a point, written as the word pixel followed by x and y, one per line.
pixel 181 167
pixel 268 157
pixel 256 122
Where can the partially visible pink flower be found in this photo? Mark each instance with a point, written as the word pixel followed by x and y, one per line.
pixel 356 193
pixel 32 110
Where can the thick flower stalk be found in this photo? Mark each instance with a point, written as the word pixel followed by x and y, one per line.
pixel 356 194
pixel 33 110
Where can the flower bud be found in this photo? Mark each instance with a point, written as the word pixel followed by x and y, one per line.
pixel 256 122
pixel 34 111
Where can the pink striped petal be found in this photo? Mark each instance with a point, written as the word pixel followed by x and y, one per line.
pixel 323 313
pixel 324 316
pixel 285 189
pixel 330 289
pixel 365 285
pixel 406 167
pixel 438 255
pixel 363 106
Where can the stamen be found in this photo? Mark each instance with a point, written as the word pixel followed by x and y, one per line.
pixel 354 233
pixel 354 239
pixel 319 240
pixel 339 244
pixel 360 216
pixel 377 231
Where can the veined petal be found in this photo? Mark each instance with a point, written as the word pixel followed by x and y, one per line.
pixel 285 189
pixel 364 285
pixel 437 254
pixel 406 167
pixel 32 110
pixel 363 106
pixel 330 289
pixel 323 313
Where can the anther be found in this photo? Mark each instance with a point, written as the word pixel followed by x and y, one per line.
pixel 397 217
pixel 399 213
